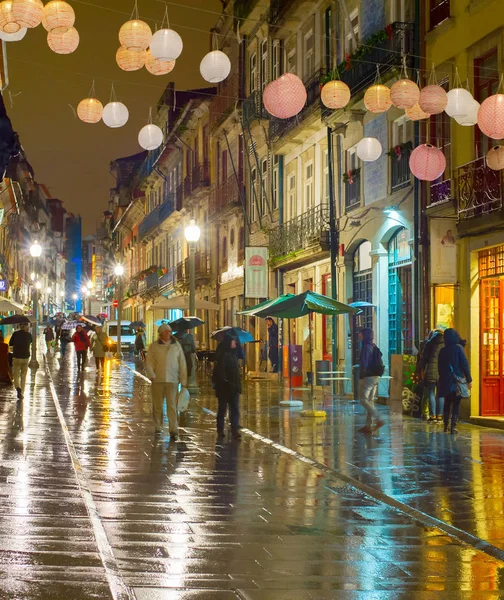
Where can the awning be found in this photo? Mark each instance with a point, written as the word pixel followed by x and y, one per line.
pixel 7 305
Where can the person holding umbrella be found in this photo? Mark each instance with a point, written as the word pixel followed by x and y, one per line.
pixel 227 382
pixel 99 347
pixel 140 342
pixel 20 342
pixel 49 337
pixel 273 343
pixel 81 342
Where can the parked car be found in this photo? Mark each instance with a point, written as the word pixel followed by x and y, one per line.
pixel 127 336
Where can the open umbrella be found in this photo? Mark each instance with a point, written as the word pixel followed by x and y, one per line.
pixel 242 335
pixel 68 325
pixel 15 320
pixel 137 324
pixel 186 323
pixel 91 319
pixel 253 310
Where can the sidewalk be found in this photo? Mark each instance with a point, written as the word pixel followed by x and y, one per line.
pixel 102 509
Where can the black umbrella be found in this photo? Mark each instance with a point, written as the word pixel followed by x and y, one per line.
pixel 15 320
pixel 186 323
pixel 92 320
pixel 241 335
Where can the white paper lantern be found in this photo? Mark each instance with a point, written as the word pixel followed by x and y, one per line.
pixel 215 66
pixel 115 114
pixel 58 16
pixel 369 149
pixel 28 13
pixel 13 37
pixel 460 102
pixel 150 137
pixel 472 116
pixel 166 44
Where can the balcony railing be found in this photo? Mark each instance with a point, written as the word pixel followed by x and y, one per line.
pixel 399 167
pixel 479 189
pixel 242 8
pixel 156 217
pixel 200 176
pixel 301 232
pixel 187 186
pixel 228 94
pixel 279 127
pixel 439 12
pixel 253 109
pixel 200 266
pixel 278 8
pixel 226 195
pixel 353 193
pixel 440 192
pixel 150 282
pixel 169 278
pixel 149 163
pixel 179 197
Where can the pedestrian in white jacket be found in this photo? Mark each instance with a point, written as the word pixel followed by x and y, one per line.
pixel 166 368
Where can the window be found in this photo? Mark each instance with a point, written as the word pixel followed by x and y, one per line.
pixel 276 59
pixel 362 292
pixel 264 63
pixel 439 12
pixel 291 57
pixel 224 166
pixel 325 177
pixel 253 72
pixel 401 11
pixel 402 133
pixel 309 54
pixel 253 196
pixel 351 31
pixel 352 184
pixel 264 186
pixel 276 175
pixel 486 83
pixel 400 294
pixel 329 42
pixel 308 195
pixel 292 205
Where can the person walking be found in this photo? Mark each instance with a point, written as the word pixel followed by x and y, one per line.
pixel 65 339
pixel 429 367
pixel 272 343
pixel 186 340
pixel 227 383
pixel 140 343
pixel 454 377
pixel 5 369
pixel 49 337
pixel 99 347
pixel 166 368
pixel 20 341
pixel 371 368
pixel 81 342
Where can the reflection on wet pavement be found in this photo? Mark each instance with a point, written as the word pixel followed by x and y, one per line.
pixel 198 520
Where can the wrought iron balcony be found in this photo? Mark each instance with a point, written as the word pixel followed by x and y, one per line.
pixel 168 279
pixel 187 186
pixel 308 229
pixel 279 127
pixel 226 195
pixel 253 109
pixel 149 163
pixel 200 176
pixel 439 12
pixel 353 192
pixel 156 217
pixel 440 192
pixel 479 189
pixel 200 266
pixel 399 168
pixel 150 282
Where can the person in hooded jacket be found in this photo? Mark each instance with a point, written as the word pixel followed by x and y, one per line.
pixel 81 342
pixel 227 382
pixel 370 371
pixel 430 354
pixel 452 362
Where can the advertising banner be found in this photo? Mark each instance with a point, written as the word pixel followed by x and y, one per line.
pixel 443 252
pixel 256 272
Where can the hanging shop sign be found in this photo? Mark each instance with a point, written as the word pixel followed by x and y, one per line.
pixel 4 285
pixel 443 252
pixel 256 272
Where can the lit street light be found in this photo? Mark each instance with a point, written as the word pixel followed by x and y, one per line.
pixel 36 253
pixel 119 272
pixel 192 235
pixel 75 298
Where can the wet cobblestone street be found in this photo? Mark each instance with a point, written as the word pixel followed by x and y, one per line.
pixel 95 507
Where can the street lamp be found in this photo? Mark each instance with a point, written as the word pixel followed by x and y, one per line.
pixel 36 253
pixel 62 296
pixel 119 272
pixel 75 298
pixel 89 287
pixel 192 235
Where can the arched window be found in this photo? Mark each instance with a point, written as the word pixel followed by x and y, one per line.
pixel 362 292
pixel 400 294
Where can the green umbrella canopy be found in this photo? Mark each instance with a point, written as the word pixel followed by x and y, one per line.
pixel 304 304
pixel 251 312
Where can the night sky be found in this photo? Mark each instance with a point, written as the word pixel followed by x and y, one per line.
pixel 72 158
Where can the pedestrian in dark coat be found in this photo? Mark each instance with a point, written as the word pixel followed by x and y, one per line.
pixel 272 344
pixel 227 382
pixel 452 362
pixel 430 354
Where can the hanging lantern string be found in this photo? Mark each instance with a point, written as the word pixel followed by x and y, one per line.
pixel 456 81
pixel 432 76
pixel 404 70
pixel 92 92
pixel 150 115
pixel 215 41
pixel 113 95
pixel 378 76
pixel 135 11
pixel 501 84
pixel 419 83
pixel 165 18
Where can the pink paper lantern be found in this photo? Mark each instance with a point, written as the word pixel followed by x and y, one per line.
pixel 63 43
pixel 427 162
pixel 135 35
pixel 491 117
pixel 415 113
pixel 433 99
pixel 335 94
pixel 404 93
pixel 377 99
pixel 130 60
pixel 158 67
pixel 285 97
pixel 495 158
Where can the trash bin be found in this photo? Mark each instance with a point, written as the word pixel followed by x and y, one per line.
pixel 321 368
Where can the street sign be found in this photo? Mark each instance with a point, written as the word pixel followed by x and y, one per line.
pixel 115 304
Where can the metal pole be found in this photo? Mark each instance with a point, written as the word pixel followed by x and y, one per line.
pixel 333 243
pixel 89 304
pixel 34 362
pixel 311 360
pixel 193 388
pixel 119 317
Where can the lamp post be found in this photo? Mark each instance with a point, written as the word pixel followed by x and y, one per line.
pixel 119 272
pixel 75 298
pixel 36 253
pixel 48 293
pixel 62 296
pixel 192 235
pixel 89 286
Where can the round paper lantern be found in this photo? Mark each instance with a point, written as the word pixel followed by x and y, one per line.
pixel 427 162
pixel 472 116
pixel 115 114
pixel 491 116
pixel 150 137
pixel 166 44
pixel 495 158
pixel 8 23
pixel 404 93
pixel 215 66
pixel 459 102
pixel 377 98
pixel 335 94
pixel 158 67
pixel 130 60
pixel 28 13
pixel 90 110
pixel 63 43
pixel 285 97
pixel 369 149
pixel 58 16
pixel 415 113
pixel 13 37
pixel 433 99
pixel 135 35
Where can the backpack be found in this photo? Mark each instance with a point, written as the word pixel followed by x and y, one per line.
pixel 376 366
